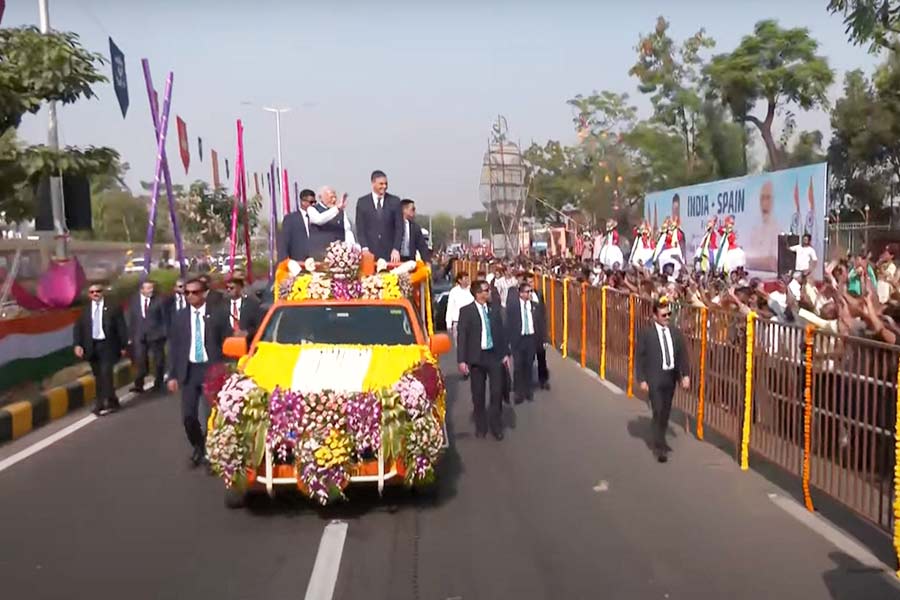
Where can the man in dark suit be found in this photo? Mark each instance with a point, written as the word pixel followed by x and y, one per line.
pixel 196 343
pixel 379 220
pixel 213 296
pixel 293 239
pixel 413 240
pixel 482 352
pixel 526 329
pixel 660 364
pixel 100 337
pixel 172 304
pixel 243 309
pixel 540 351
pixel 147 327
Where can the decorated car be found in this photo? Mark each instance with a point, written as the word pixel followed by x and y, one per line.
pixel 340 386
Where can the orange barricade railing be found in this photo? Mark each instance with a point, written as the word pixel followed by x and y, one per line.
pixel 820 406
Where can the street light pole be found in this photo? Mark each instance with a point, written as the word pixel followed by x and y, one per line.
pixel 278 112
pixel 56 200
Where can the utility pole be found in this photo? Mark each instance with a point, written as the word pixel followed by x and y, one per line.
pixel 286 193
pixel 60 232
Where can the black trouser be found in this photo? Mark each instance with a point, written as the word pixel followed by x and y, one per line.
pixel 543 372
pixel 144 352
pixel 523 385
pixel 661 394
pixel 191 395
pixel 488 367
pixel 103 364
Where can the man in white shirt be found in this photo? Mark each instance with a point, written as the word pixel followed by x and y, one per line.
pixel 327 222
pixel 459 296
pixel 806 258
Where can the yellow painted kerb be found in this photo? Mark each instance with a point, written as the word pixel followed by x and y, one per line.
pixel 21 418
pixel 89 386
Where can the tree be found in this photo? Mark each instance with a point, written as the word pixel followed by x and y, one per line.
pixel 869 21
pixel 37 68
pixel 672 74
pixel 776 67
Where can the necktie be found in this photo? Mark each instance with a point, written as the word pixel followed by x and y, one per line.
pixel 378 203
pixel 97 322
pixel 198 337
pixel 146 306
pixel 489 339
pixel 667 356
pixel 179 302
pixel 306 222
pixel 406 239
pixel 235 315
pixel 526 314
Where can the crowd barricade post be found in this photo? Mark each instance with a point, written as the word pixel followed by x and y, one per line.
pixel 701 368
pixel 584 289
pixel 807 416
pixel 552 304
pixel 565 318
pixel 748 395
pixel 603 329
pixel 631 332
pixel 896 488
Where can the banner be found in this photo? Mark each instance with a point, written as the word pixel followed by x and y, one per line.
pixel 763 206
pixel 183 143
pixel 215 165
pixel 200 148
pixel 120 80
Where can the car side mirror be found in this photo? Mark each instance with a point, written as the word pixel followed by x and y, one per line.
pixel 439 344
pixel 235 347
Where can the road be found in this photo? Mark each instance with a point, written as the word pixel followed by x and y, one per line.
pixel 570 505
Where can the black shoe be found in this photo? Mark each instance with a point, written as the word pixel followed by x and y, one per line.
pixel 113 406
pixel 530 397
pixel 137 389
pixel 662 457
pixel 197 456
pixel 97 411
pixel 519 400
pixel 545 385
pixel 498 435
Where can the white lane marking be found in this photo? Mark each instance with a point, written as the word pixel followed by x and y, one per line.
pixel 603 486
pixel 328 562
pixel 53 438
pixel 838 538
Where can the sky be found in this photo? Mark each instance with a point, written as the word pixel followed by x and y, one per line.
pixel 410 88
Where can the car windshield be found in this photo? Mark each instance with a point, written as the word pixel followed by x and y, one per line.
pixel 325 324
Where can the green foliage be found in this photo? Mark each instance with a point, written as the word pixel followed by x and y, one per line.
pixel 37 68
pixel 776 67
pixel 869 21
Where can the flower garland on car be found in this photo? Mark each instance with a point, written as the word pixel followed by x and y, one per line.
pixel 236 439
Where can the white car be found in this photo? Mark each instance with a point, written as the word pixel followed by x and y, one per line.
pixel 135 265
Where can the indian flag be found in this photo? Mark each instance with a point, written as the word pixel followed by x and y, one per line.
pixel 35 346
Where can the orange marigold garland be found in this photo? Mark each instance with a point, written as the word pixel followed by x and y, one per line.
pixel 701 391
pixel 748 395
pixel 630 346
pixel 807 417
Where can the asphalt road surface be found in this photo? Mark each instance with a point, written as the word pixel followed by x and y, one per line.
pixel 570 505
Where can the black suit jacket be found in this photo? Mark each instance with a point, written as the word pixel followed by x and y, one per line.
pixel 649 357
pixel 417 242
pixel 168 309
pixel 468 342
pixel 216 330
pixel 514 320
pixel 146 329
pixel 379 231
pixel 293 241
pixel 114 329
pixel 249 317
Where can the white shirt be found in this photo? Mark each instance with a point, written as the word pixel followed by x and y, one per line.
pixel 179 302
pixel 145 303
pixel 665 341
pixel 484 324
pixel 234 312
pixel 459 296
pixel 805 256
pixel 193 316
pixel 320 218
pixel 503 286
pixel 376 200
pixel 525 307
pixel 405 244
pixel 97 311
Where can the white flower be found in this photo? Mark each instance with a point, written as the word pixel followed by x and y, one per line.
pixel 293 267
pixel 381 265
pixel 407 267
pixel 310 264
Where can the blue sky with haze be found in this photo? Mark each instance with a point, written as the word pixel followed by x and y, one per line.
pixel 407 87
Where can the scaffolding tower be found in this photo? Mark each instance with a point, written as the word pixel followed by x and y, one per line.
pixel 503 187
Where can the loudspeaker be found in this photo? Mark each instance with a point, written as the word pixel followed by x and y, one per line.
pixel 77 200
pixel 787 259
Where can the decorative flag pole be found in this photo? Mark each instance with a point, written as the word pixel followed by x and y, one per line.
pixel 287 191
pixel 273 221
pixel 242 173
pixel 160 161
pixel 176 232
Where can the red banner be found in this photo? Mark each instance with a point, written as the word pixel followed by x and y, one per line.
pixel 213 155
pixel 2 8
pixel 183 143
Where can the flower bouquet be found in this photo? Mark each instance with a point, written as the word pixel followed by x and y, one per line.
pixel 342 259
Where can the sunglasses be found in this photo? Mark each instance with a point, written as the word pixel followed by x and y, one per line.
pixel 665 315
pixel 95 291
pixel 193 292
